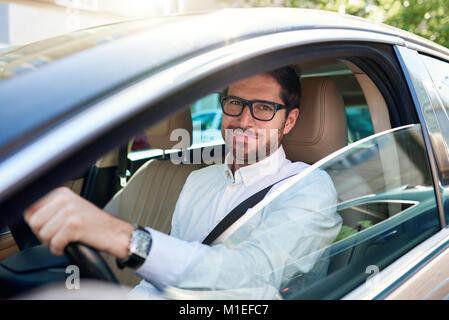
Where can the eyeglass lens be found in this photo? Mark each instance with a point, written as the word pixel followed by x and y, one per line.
pixel 261 110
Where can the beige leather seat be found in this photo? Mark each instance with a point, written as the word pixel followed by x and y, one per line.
pixel 320 130
pixel 151 194
pixel 322 126
pixel 156 185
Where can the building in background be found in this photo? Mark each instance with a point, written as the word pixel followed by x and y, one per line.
pixel 23 21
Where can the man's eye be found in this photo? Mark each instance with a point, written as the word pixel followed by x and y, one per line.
pixel 235 102
pixel 264 107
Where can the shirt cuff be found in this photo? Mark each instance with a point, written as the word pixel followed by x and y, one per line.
pixel 169 257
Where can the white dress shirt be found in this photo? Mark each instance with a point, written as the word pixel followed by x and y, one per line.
pixel 300 222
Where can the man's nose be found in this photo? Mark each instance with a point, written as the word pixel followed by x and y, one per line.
pixel 245 118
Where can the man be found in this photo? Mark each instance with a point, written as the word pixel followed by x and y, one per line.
pixel 274 245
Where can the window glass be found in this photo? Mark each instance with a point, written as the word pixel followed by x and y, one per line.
pixel 359 123
pixel 439 72
pixel 322 232
pixel 357 112
pixel 206 121
pixel 387 205
pixel 206 117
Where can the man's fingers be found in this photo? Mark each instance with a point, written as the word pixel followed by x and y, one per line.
pixel 69 232
pixel 58 243
pixel 39 218
pixel 59 192
pixel 54 224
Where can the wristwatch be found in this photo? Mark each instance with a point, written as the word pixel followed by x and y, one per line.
pixel 138 249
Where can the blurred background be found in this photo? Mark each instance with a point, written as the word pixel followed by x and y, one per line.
pixel 25 21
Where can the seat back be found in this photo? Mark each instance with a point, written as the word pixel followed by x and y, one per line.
pixel 321 127
pixel 150 196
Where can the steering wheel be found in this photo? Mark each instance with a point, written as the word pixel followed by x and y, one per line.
pixel 90 262
pixel 29 268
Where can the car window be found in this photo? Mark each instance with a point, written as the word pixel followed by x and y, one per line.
pixel 323 233
pixel 359 123
pixel 439 72
pixel 206 122
pixel 206 116
pixel 387 205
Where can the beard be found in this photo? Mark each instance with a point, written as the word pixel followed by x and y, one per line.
pixel 249 145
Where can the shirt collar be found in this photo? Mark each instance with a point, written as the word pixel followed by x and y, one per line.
pixel 255 172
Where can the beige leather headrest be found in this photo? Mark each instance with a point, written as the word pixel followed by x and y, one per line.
pixel 321 127
pixel 159 135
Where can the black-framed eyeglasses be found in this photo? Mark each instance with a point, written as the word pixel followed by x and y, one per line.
pixel 260 109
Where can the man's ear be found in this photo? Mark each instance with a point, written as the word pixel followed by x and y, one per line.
pixel 291 120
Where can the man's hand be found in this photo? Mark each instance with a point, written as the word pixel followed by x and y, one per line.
pixel 62 217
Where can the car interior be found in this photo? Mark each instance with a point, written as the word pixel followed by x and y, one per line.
pixel 332 90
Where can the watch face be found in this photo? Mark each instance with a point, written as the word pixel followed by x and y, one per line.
pixel 140 243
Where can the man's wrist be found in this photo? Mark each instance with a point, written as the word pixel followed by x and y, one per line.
pixel 139 249
pixel 121 239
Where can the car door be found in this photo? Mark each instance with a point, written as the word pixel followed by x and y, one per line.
pixel 387 208
pixel 388 204
pixel 427 73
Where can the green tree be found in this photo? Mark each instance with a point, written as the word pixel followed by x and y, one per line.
pixel 426 18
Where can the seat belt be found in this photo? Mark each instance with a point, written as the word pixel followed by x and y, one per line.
pixel 122 169
pixel 237 212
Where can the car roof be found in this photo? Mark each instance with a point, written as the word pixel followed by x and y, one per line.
pixel 60 77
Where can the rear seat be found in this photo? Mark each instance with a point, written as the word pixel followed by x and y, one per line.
pixel 150 196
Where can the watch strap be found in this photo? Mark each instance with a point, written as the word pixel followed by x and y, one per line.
pixel 133 260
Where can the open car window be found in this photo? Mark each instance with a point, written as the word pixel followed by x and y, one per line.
pixel 206 119
pixel 325 231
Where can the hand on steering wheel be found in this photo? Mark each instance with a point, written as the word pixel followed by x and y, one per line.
pixel 63 220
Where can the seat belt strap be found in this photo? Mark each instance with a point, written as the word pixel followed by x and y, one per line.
pixel 237 212
pixel 122 170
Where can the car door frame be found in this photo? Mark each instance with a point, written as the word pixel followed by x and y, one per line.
pixel 129 103
pixel 426 101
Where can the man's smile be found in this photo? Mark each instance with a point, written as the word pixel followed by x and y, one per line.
pixel 244 136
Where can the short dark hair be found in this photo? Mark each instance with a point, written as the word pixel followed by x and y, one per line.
pixel 288 79
pixel 290 84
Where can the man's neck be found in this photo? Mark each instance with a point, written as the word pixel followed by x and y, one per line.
pixel 235 165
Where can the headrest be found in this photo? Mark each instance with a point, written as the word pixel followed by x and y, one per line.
pixel 158 136
pixel 321 127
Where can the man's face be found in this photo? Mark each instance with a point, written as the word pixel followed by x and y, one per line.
pixel 250 139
